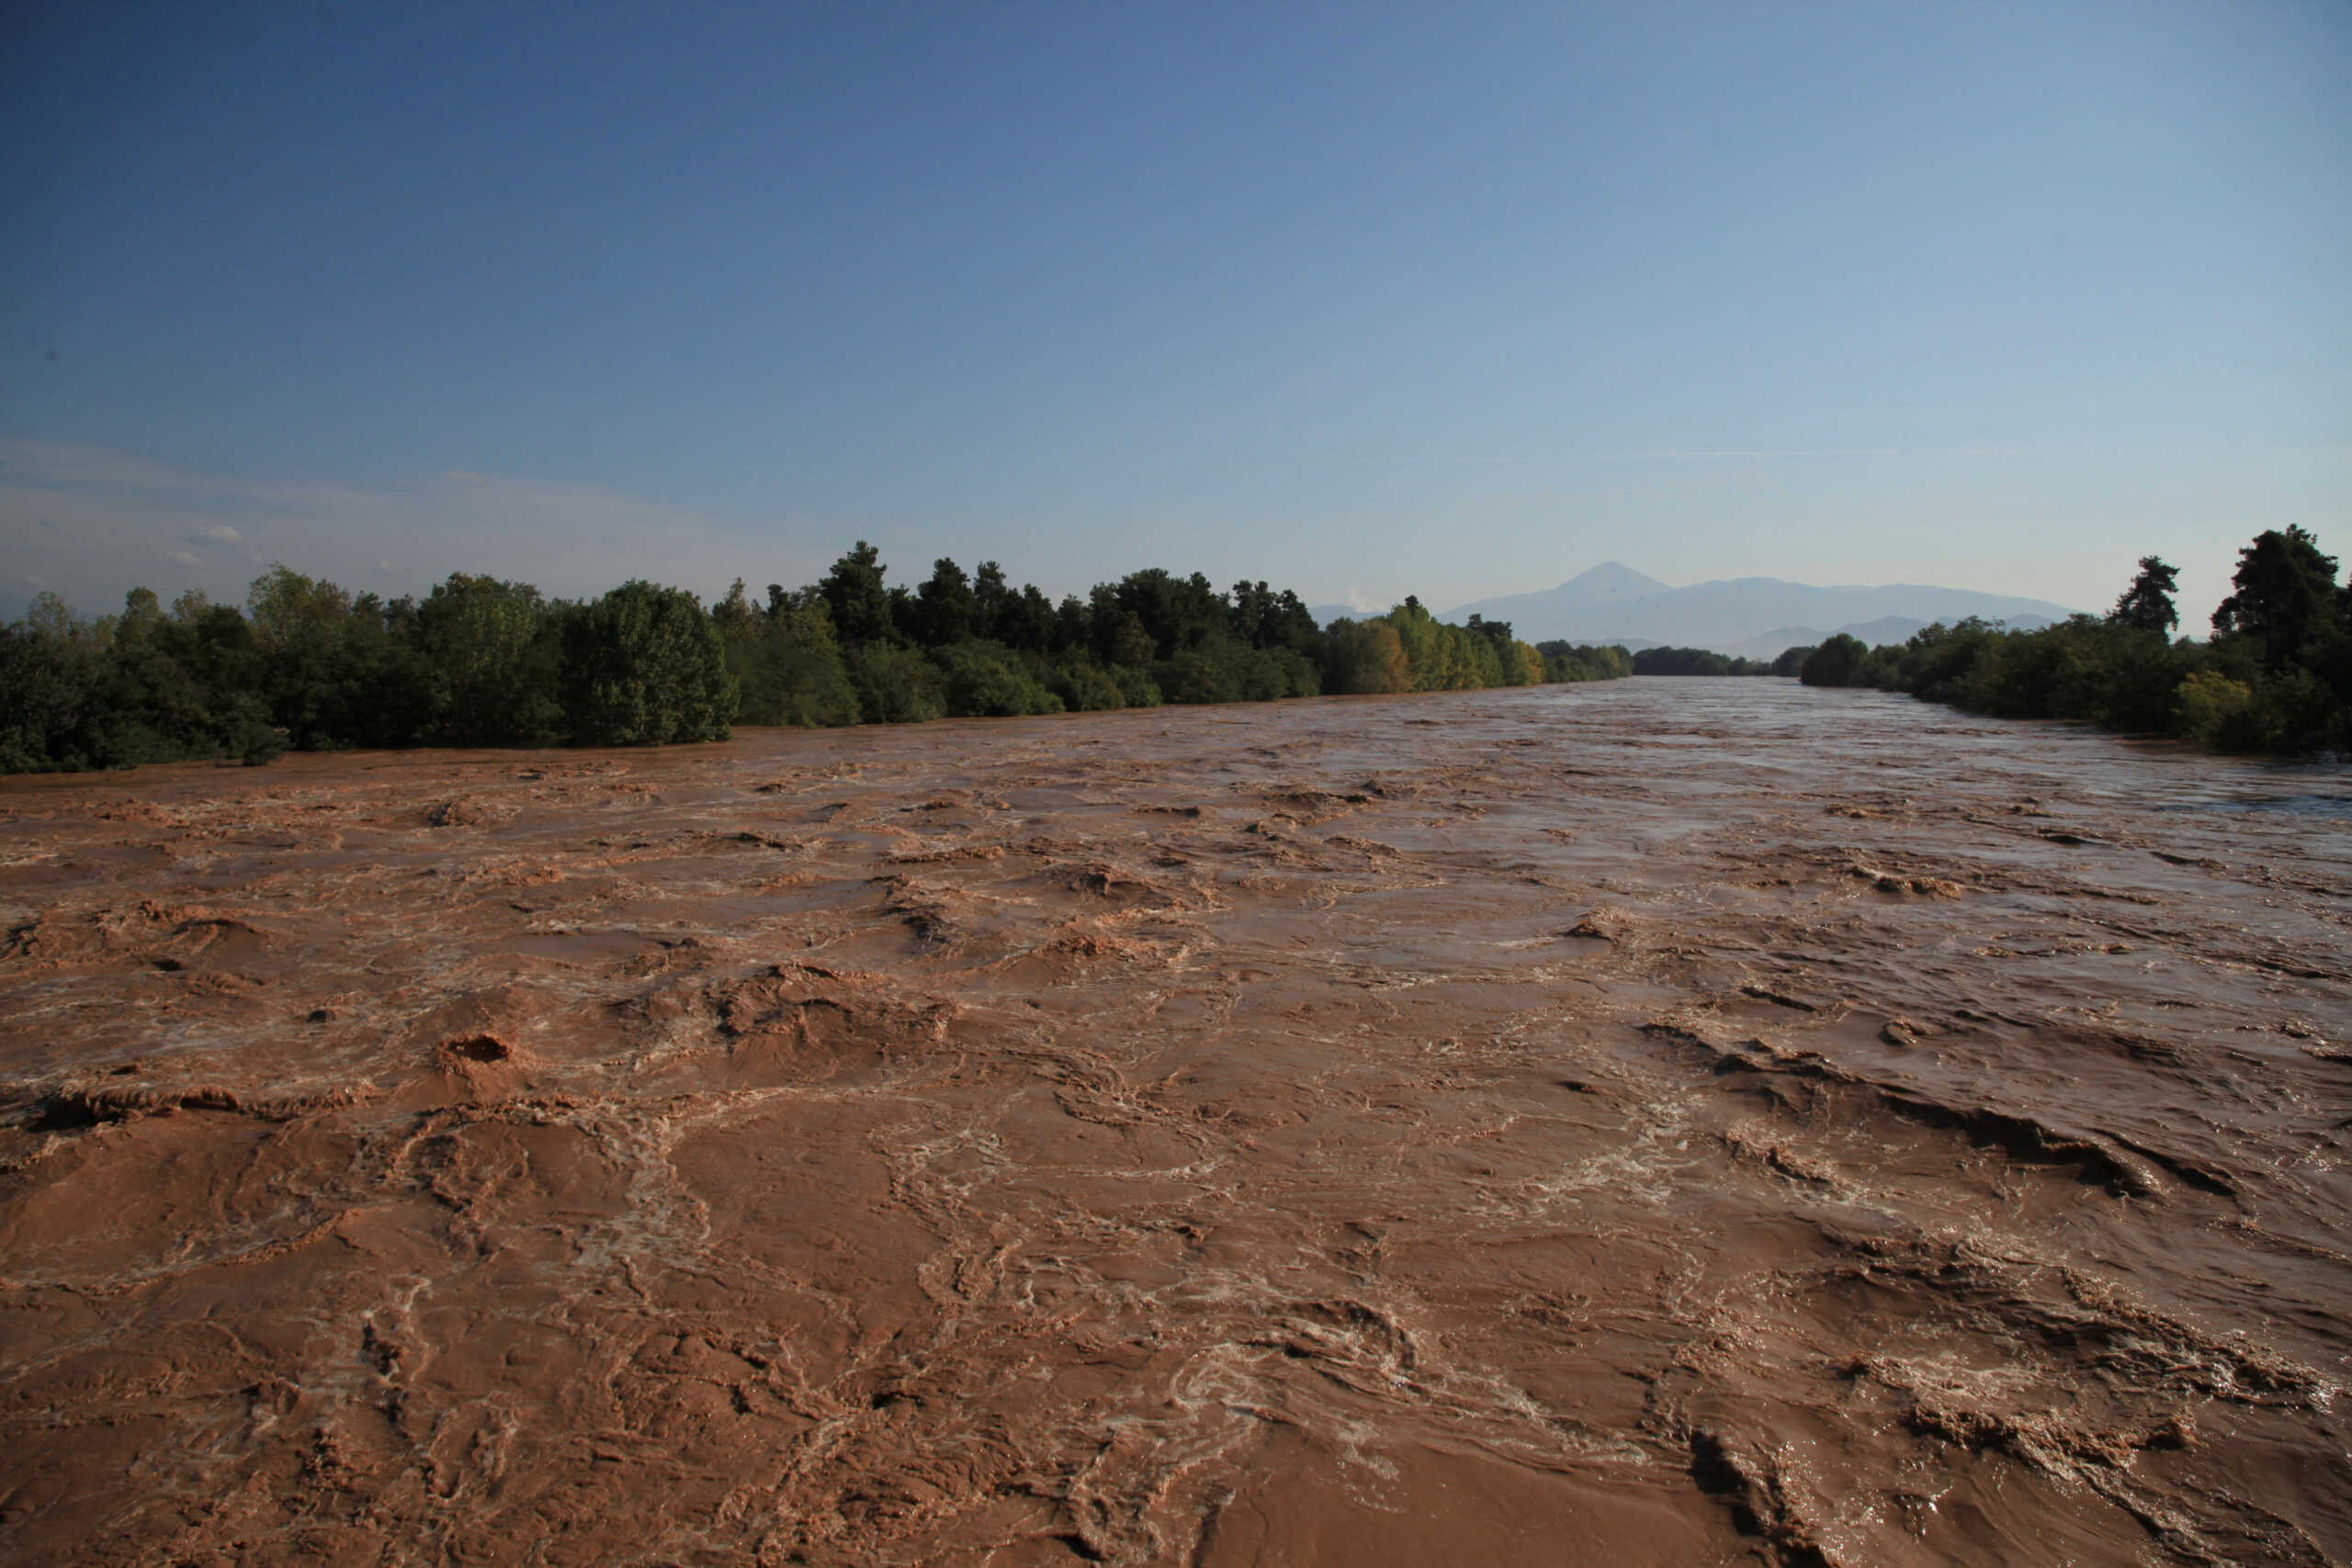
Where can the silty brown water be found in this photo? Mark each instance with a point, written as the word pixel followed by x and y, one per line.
pixel 1675 1122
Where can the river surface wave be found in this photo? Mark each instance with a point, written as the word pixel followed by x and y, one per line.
pixel 1671 1121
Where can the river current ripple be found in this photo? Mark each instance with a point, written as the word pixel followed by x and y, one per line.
pixel 1668 1122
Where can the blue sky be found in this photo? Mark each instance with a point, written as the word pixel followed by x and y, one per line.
pixel 1455 300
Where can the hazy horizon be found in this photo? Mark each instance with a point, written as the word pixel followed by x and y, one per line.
pixel 1363 301
pixel 229 559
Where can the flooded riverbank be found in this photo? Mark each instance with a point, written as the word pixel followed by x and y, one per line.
pixel 1669 1122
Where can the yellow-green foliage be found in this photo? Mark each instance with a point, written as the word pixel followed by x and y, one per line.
pixel 1563 662
pixel 1367 656
pixel 1443 657
pixel 2210 705
pixel 1408 649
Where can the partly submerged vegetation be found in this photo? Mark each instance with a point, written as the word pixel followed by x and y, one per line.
pixel 1707 661
pixel 481 661
pixel 2275 677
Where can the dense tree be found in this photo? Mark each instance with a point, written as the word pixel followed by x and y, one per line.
pixel 1516 663
pixel 1029 622
pixel 49 684
pixel 1696 661
pixel 1266 619
pixel 989 680
pixel 855 598
pixel 1120 636
pixel 282 604
pixel 484 662
pixel 118 692
pixel 644 665
pixel 1085 687
pixel 895 685
pixel 1074 623
pixel 2278 677
pixel 2146 605
pixel 1443 657
pixel 946 610
pixel 1836 662
pixel 993 603
pixel 1584 662
pixel 787 666
pixel 2286 606
pixel 492 651
pixel 735 615
pixel 302 626
pixel 1364 657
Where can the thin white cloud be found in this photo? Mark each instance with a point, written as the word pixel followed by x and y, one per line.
pixel 1705 453
pixel 108 510
pixel 57 466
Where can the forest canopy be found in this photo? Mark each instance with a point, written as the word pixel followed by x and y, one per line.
pixel 1702 662
pixel 483 661
pixel 2276 676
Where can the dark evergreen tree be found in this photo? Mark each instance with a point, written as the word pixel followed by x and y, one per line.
pixel 993 602
pixel 1266 619
pixel 1027 621
pixel 945 610
pixel 855 598
pixel 2286 602
pixel 2146 605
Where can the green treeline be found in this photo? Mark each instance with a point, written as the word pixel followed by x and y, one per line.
pixel 1707 661
pixel 481 661
pixel 1585 661
pixel 1408 649
pixel 2275 677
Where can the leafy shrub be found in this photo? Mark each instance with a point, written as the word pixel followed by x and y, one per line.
pixel 1193 675
pixel 987 679
pixel 643 666
pixel 1836 662
pixel 1084 687
pixel 491 654
pixel 1136 686
pixel 895 685
pixel 786 665
pixel 2212 708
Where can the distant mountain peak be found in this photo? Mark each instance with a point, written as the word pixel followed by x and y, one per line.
pixel 1616 577
pixel 1611 601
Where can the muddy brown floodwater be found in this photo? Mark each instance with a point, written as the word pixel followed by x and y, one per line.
pixel 1673 1122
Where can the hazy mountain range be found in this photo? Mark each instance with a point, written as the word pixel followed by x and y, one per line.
pixel 1752 616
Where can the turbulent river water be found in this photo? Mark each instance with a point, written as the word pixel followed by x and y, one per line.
pixel 1669 1121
